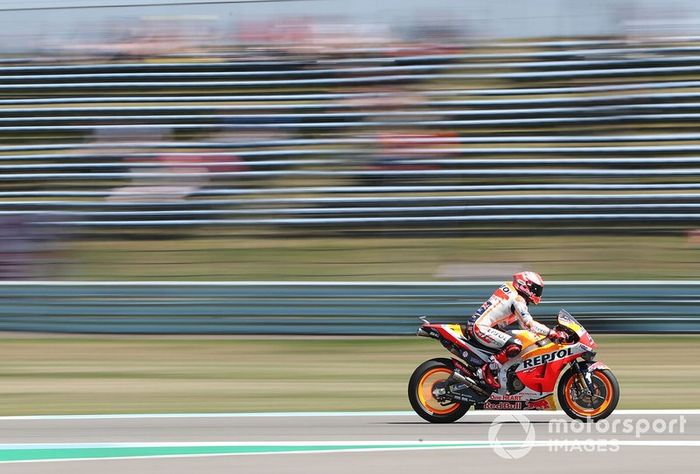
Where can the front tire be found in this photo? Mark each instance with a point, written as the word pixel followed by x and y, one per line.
pixel 420 392
pixel 581 407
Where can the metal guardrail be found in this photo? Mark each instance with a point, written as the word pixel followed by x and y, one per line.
pixel 379 190
pixel 318 119
pixel 300 142
pixel 334 100
pixel 416 155
pixel 475 164
pixel 389 67
pixel 322 101
pixel 374 200
pixel 296 124
pixel 567 73
pixel 338 96
pixel 327 308
pixel 396 78
pixel 359 211
pixel 545 172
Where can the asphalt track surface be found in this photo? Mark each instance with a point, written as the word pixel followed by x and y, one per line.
pixel 631 441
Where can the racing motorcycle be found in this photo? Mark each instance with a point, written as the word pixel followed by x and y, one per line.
pixel 442 390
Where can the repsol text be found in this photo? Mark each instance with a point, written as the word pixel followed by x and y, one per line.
pixel 544 358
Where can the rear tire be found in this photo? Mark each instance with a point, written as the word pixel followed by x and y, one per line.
pixel 606 386
pixel 420 388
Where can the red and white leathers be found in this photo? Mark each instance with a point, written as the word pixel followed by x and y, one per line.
pixel 504 307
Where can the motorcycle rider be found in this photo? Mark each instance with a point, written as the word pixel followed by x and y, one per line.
pixel 509 303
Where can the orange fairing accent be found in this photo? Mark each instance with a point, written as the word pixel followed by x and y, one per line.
pixel 549 347
pixel 526 338
pixel 425 391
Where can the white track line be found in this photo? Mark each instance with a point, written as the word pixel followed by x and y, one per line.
pixel 355 443
pixel 292 414
pixel 320 414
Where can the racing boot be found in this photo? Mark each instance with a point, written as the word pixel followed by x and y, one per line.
pixel 489 371
pixel 489 374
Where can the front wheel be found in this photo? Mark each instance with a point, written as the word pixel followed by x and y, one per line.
pixel 420 392
pixel 579 405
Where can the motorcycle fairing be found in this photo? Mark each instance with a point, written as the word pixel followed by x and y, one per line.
pixel 540 367
pixel 539 364
pixel 453 333
pixel 526 338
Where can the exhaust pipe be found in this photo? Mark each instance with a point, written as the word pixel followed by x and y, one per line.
pixel 470 383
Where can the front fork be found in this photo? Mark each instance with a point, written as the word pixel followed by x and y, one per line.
pixel 583 378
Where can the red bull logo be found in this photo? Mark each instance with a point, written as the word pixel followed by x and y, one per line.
pixel 539 405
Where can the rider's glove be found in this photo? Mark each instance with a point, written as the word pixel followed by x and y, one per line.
pixel 558 336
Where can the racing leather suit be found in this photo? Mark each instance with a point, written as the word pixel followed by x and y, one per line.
pixel 504 307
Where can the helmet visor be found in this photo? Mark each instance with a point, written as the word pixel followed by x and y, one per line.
pixel 536 289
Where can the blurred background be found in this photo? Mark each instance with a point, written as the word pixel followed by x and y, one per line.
pixel 145 147
pixel 349 140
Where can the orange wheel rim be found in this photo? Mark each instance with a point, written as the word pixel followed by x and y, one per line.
pixel 585 411
pixel 425 391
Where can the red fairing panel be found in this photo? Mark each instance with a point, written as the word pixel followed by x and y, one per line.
pixel 543 378
pixel 450 334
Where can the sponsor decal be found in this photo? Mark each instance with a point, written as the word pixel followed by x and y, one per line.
pixel 544 358
pixel 539 405
pixel 507 397
pixel 472 359
pixel 462 397
pixel 502 405
pixel 516 402
pixel 460 367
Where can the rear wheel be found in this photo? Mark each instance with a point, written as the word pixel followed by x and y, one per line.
pixel 420 393
pixel 582 406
